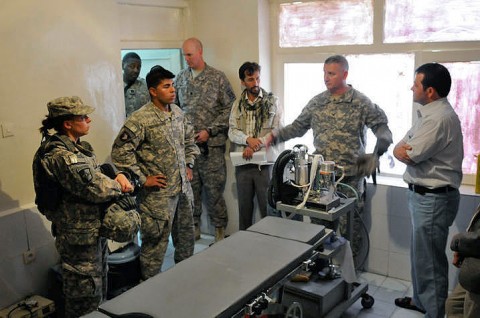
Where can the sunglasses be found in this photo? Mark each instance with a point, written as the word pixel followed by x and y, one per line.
pixel 81 117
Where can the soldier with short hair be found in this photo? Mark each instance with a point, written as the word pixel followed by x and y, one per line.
pixel 134 87
pixel 77 205
pixel 156 144
pixel 339 118
pixel 206 96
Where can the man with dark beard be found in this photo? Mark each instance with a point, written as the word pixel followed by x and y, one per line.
pixel 254 115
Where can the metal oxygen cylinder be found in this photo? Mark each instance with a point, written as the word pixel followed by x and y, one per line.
pixel 301 164
pixel 326 177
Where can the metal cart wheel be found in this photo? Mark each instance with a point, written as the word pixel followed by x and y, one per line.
pixel 367 301
pixel 294 311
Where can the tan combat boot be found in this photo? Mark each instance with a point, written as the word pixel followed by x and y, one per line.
pixel 219 233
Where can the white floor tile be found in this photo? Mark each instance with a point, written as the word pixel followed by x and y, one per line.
pixel 371 279
pixel 372 289
pixel 396 284
pixel 387 295
pixel 170 249
pixel 379 309
pixel 168 262
pixel 365 314
pixel 404 313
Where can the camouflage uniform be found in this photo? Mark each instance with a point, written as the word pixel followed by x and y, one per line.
pixel 136 95
pixel 206 101
pixel 154 142
pixel 339 125
pixel 76 222
pixel 252 179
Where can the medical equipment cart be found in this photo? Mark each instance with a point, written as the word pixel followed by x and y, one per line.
pixel 352 291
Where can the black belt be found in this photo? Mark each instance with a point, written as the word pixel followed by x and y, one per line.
pixel 422 190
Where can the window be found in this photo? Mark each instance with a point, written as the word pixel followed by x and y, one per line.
pixel 428 21
pixel 465 98
pixel 381 68
pixel 326 23
pixel 305 80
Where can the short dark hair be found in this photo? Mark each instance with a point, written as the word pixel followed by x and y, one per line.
pixel 339 59
pixel 130 55
pixel 156 75
pixel 436 76
pixel 248 68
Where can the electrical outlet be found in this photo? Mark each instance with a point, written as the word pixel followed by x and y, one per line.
pixel 7 130
pixel 28 256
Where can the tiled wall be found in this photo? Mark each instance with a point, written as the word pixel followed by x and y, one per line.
pixel 388 221
pixel 19 232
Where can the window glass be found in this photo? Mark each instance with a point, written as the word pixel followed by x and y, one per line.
pixel 327 22
pixel 431 21
pixel 385 78
pixel 170 59
pixel 465 99
pixel 302 82
pixel 305 80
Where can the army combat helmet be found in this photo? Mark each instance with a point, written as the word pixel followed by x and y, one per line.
pixel 68 106
pixel 121 221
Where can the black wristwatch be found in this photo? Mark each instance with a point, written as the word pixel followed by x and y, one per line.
pixel 190 165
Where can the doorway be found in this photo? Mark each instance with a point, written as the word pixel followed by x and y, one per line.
pixel 170 59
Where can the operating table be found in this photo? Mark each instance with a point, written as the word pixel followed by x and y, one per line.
pixel 221 280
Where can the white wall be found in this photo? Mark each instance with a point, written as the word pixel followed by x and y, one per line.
pixel 56 48
pixel 50 49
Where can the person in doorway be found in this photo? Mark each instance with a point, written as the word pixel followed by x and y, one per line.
pixel 253 116
pixel 134 87
pixel 433 151
pixel 77 194
pixel 156 144
pixel 339 118
pixel 206 96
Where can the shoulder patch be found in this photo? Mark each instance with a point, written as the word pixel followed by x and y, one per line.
pixel 124 136
pixel 86 174
pixel 70 159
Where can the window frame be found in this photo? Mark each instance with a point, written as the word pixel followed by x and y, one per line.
pixel 442 52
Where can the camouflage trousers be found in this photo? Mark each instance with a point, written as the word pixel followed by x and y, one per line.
pixel 183 236
pixel 84 275
pixel 155 232
pixel 209 178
